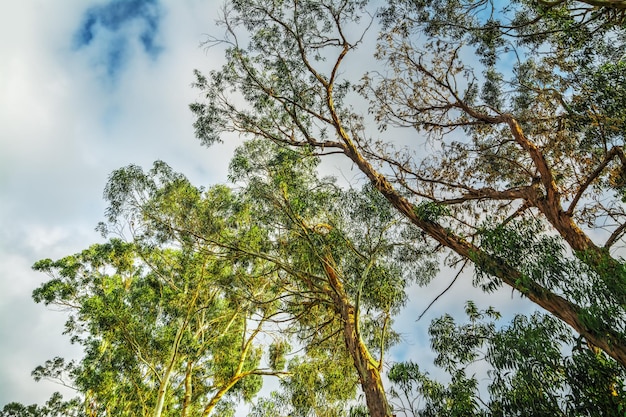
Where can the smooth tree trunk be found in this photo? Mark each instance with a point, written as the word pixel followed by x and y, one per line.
pixel 165 379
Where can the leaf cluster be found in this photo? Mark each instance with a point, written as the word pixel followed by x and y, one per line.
pixel 535 367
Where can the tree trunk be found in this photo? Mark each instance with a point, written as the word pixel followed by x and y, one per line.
pixel 165 379
pixel 367 367
pixel 188 389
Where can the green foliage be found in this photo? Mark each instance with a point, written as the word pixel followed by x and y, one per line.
pixel 277 353
pixel 529 371
pixel 431 211
pixel 596 284
pixel 162 307
pixel 410 386
pixel 274 406
pixel 458 344
pixel 54 407
pixel 315 387
pixel 319 386
pixel 539 257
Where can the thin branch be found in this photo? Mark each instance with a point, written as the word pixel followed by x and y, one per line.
pixel 444 291
pixel 615 151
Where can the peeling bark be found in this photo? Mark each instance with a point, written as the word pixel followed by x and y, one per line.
pixel 366 366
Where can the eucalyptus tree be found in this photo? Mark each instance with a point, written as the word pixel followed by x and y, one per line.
pixel 348 258
pixel 335 263
pixel 163 331
pixel 521 105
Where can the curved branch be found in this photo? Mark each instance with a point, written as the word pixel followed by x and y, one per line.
pixel 615 151
pixel 458 274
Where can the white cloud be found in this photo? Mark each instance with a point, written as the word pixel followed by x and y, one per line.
pixel 62 131
pixel 30 333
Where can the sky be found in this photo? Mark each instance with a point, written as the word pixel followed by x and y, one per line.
pixel 87 87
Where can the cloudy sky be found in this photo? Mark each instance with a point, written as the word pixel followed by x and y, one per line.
pixel 87 87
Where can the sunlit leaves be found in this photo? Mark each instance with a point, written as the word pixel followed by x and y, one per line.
pixel 161 308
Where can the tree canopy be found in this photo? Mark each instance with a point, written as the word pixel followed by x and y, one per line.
pixel 171 309
pixel 518 104
pixel 489 132
pixel 161 336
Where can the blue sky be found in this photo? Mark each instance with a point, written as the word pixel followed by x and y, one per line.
pixel 87 87
pixel 117 31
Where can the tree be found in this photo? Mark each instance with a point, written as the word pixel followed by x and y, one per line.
pixel 163 332
pixel 334 280
pixel 530 130
pixel 347 255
